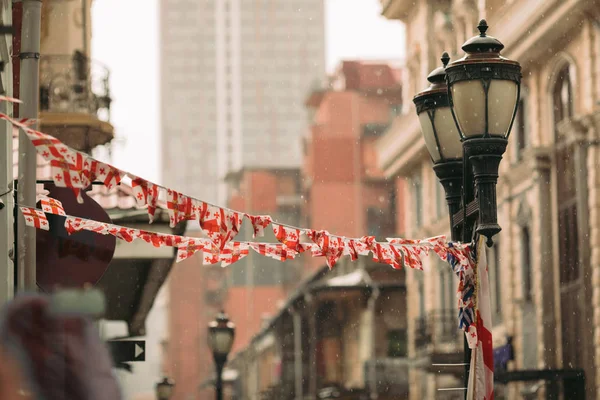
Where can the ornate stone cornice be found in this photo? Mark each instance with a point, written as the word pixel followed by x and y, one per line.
pixel 580 129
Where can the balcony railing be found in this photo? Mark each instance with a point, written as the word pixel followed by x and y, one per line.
pixel 75 84
pixel 438 327
pixel 391 376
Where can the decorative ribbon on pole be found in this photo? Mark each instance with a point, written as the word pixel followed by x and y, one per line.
pixel 479 335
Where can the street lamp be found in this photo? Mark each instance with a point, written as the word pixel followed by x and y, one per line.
pixel 164 389
pixel 221 332
pixel 481 92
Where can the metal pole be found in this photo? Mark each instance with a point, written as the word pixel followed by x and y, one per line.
pixel 29 94
pixel 7 251
pixel 219 380
pixel 84 26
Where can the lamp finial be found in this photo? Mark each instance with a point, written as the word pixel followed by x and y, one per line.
pixel 483 27
pixel 445 59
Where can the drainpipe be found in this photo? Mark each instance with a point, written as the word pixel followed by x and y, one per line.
pixel 371 305
pixel 297 353
pixel 29 94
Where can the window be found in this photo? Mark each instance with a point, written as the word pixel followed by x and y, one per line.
pixel 567 216
pixel 447 289
pixel 495 277
pixel 521 125
pixel 374 222
pixel 562 96
pixel 397 343
pixel 421 288
pixel 526 263
pixel 418 200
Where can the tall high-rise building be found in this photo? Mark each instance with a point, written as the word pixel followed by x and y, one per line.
pixel 234 74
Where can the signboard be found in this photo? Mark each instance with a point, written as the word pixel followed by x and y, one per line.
pixel 127 350
pixel 72 260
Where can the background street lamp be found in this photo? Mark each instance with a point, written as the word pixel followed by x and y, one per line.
pixel 164 389
pixel 221 333
pixel 482 93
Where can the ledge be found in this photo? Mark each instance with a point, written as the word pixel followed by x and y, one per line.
pixel 81 131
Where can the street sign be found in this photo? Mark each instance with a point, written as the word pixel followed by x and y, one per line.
pixel 72 260
pixel 127 350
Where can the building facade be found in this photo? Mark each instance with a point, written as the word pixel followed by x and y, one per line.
pixel 544 265
pixel 233 77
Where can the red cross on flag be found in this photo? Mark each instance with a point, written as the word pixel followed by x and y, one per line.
pixel 35 218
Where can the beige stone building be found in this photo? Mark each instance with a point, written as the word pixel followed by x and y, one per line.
pixel 545 265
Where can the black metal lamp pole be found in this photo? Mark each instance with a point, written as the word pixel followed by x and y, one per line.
pixel 466 115
pixel 221 333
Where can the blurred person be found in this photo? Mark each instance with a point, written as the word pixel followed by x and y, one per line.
pixel 45 355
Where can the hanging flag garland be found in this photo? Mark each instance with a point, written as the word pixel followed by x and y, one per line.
pixel 77 171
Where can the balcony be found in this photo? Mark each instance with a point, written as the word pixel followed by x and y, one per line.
pixel 439 328
pixel 396 9
pixel 437 336
pixel 75 100
pixel 391 376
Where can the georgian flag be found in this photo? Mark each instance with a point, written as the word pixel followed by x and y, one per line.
pixel 481 375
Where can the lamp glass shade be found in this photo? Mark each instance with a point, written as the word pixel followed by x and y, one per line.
pixel 164 389
pixel 429 136
pixel 470 104
pixel 220 340
pixel 450 146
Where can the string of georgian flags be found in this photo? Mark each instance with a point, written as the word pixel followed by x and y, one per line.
pixel 76 170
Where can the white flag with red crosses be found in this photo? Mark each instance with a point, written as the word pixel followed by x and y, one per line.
pixel 259 224
pixel 48 146
pixel 219 224
pixel 233 252
pixel 35 218
pixel 288 236
pixel 51 206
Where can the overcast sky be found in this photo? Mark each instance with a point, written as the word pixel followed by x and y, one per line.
pixel 127 42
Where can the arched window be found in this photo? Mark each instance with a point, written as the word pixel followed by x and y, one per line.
pixel 562 96
pixel 562 99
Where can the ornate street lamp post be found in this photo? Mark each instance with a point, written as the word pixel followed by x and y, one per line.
pixel 164 389
pixel 221 333
pixel 466 116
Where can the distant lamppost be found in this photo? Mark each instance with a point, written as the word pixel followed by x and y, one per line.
pixel 164 389
pixel 221 333
pixel 466 116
